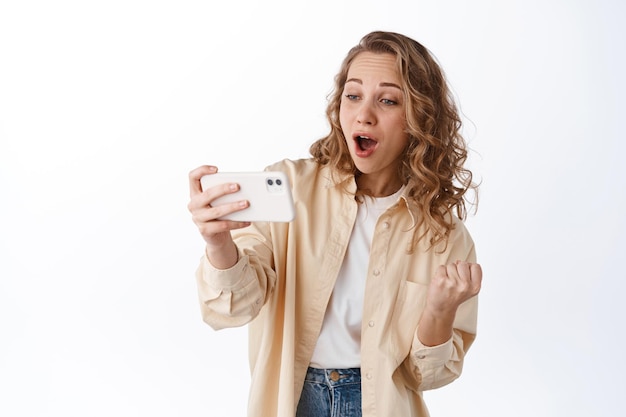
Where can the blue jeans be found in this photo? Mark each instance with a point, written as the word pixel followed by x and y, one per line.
pixel 331 393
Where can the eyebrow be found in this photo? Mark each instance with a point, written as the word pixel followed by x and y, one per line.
pixel 383 84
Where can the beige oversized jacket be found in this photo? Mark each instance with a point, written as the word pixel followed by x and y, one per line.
pixel 283 281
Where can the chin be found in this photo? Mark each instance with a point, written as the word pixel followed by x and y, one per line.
pixel 363 168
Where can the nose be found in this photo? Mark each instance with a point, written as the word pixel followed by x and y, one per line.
pixel 366 114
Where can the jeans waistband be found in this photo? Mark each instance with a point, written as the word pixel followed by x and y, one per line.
pixel 333 377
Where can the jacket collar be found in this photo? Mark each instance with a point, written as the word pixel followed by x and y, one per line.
pixel 338 179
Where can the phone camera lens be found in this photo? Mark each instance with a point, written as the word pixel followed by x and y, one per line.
pixel 279 182
pixel 270 182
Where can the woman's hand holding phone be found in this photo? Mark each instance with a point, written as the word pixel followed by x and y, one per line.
pixel 220 249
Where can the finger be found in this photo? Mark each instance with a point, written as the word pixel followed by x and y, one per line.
pixel 459 273
pixel 463 271
pixel 441 273
pixel 237 224
pixel 477 277
pixel 195 187
pixel 202 211
pixel 198 203
pixel 452 271
pixel 476 271
pixel 222 210
pixel 219 226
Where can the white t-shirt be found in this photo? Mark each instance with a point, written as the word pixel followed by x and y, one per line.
pixel 339 342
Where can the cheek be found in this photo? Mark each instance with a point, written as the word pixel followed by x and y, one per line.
pixel 399 135
pixel 399 125
pixel 343 120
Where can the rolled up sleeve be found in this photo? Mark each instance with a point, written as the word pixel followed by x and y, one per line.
pixel 438 365
pixel 229 297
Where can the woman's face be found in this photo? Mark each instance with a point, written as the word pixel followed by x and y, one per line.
pixel 372 117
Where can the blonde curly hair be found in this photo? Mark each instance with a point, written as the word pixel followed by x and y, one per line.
pixel 433 162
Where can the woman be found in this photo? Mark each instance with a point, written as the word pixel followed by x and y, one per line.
pixel 368 298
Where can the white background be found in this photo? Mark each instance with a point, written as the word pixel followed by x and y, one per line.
pixel 106 106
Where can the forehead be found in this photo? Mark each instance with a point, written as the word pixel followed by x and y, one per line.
pixel 370 65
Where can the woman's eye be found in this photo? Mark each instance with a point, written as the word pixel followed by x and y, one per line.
pixel 352 96
pixel 388 101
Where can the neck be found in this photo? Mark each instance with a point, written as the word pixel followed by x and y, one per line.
pixel 378 187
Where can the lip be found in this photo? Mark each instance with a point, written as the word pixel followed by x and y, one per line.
pixel 363 153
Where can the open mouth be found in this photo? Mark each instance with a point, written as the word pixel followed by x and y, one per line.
pixel 365 143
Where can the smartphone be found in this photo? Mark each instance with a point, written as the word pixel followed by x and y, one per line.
pixel 268 192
